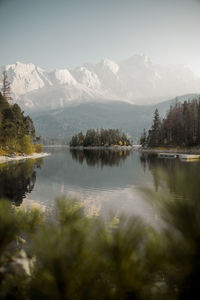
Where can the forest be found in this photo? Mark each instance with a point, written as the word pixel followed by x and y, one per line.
pixel 17 132
pixel 100 138
pixel 180 127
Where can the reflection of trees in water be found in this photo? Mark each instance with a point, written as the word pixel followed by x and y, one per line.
pixel 100 157
pixel 178 203
pixel 18 179
pixel 181 178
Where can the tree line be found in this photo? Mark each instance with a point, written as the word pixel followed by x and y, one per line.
pixel 17 131
pixel 180 127
pixel 100 138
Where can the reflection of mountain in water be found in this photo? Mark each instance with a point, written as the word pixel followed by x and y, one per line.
pixel 18 179
pixel 100 157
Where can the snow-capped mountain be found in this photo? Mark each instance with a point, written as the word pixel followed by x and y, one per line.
pixel 25 78
pixel 136 80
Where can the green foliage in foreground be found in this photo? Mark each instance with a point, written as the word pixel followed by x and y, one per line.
pixel 104 137
pixel 71 256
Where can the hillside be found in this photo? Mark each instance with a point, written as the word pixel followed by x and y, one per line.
pixel 66 122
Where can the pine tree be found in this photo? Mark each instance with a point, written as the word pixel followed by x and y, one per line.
pixel 155 132
pixel 143 139
pixel 156 121
pixel 6 90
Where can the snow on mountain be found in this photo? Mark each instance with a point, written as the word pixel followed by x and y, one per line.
pixel 108 65
pixel 135 80
pixel 107 72
pixel 87 78
pixel 149 82
pixel 62 76
pixel 25 78
pixel 140 77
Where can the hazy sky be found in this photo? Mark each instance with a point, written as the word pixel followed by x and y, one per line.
pixel 68 33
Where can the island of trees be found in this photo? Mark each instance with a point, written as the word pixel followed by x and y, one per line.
pixel 100 138
pixel 180 127
pixel 17 132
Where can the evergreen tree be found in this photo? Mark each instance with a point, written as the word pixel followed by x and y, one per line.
pixel 156 121
pixel 6 89
pixel 154 133
pixel 15 128
pixel 104 137
pixel 181 127
pixel 143 139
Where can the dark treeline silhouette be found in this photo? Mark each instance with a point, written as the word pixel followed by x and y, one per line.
pixel 18 179
pixel 181 127
pixel 98 138
pixel 99 157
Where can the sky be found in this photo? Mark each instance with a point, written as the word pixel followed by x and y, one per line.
pixel 67 33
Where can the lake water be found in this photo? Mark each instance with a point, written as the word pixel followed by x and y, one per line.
pixel 103 181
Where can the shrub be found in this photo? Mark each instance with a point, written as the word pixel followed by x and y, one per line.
pixel 27 145
pixel 38 148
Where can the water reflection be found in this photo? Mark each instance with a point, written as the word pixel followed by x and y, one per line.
pixel 179 177
pixel 107 180
pixel 100 157
pixel 18 179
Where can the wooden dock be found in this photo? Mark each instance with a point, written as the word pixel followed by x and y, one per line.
pixel 168 155
pixel 189 157
pixel 185 157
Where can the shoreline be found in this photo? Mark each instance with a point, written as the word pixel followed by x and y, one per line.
pixel 102 148
pixel 172 150
pixel 5 159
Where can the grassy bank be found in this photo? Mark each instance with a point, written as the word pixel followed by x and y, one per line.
pixel 29 148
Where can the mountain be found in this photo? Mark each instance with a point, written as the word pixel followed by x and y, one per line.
pixel 136 80
pixel 64 122
pixel 34 88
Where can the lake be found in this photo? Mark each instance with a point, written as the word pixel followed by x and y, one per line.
pixel 103 180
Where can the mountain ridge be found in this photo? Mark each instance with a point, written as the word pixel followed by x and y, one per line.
pixel 65 122
pixel 136 80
